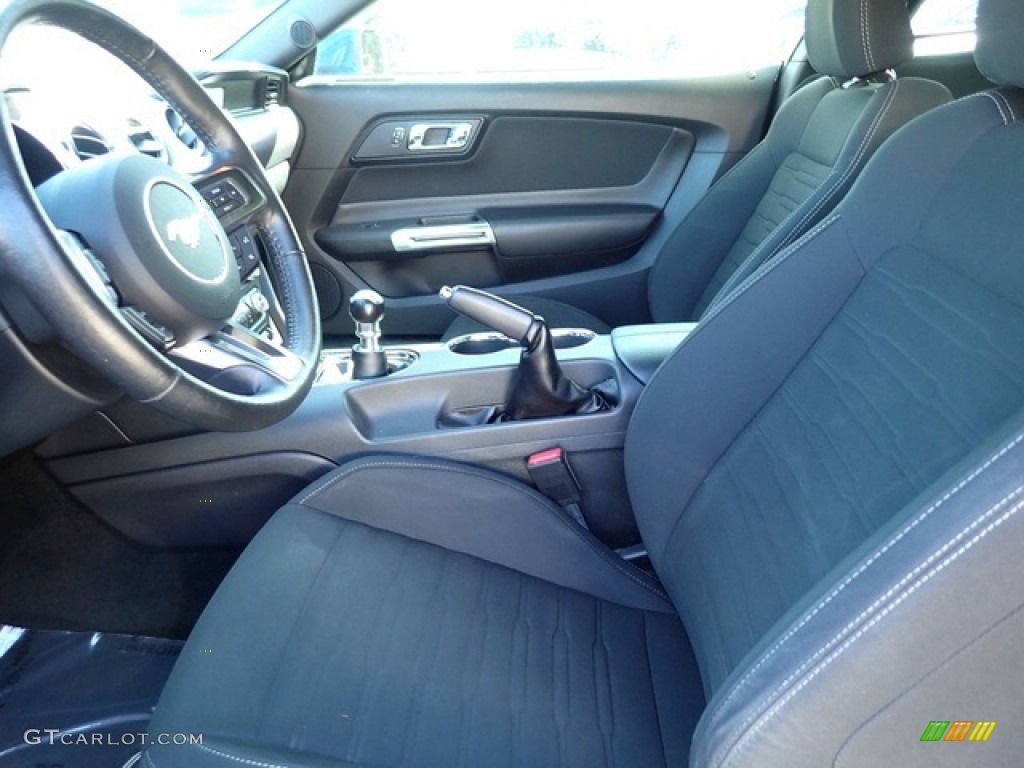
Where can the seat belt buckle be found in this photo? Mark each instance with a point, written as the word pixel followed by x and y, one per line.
pixel 551 473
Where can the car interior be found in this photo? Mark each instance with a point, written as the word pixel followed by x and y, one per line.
pixel 366 420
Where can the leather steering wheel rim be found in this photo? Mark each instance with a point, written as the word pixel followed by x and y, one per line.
pixel 36 259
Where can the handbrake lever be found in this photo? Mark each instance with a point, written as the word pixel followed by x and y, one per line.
pixel 541 388
pixel 499 314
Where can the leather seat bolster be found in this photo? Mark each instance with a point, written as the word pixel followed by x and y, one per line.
pixel 885 110
pixel 709 396
pixel 482 514
pixel 913 572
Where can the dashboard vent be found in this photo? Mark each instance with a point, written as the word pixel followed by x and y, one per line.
pixel 145 142
pixel 273 93
pixel 88 143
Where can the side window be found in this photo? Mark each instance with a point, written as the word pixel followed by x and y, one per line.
pixel 560 39
pixel 945 26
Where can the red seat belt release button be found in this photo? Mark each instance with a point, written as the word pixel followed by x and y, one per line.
pixel 551 473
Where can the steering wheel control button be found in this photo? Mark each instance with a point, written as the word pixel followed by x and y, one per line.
pixel 224 197
pixel 247 253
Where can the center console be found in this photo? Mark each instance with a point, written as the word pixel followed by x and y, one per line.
pixel 160 483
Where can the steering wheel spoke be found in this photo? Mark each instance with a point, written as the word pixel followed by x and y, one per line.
pixel 236 359
pixel 92 270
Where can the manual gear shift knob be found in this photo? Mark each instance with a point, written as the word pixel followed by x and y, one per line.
pixel 368 359
pixel 366 307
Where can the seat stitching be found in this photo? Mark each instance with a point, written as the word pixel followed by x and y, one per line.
pixel 992 628
pixel 850 579
pixel 852 167
pixel 999 106
pixel 795 233
pixel 529 493
pixel 902 598
pixel 738 275
pixel 1001 100
pixel 762 272
pixel 888 594
pixel 865 38
pixel 822 604
pixel 762 245
pixel 737 167
pixel 237 758
pixel 1009 106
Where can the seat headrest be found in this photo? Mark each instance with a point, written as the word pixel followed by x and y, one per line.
pixel 998 53
pixel 853 38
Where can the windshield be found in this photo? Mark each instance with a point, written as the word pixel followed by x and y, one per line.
pixel 193 31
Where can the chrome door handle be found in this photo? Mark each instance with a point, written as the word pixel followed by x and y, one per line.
pixel 440 135
pixel 444 237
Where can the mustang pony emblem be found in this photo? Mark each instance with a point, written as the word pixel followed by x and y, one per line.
pixel 186 231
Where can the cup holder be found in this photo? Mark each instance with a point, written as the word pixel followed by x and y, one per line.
pixel 487 343
pixel 481 344
pixel 570 338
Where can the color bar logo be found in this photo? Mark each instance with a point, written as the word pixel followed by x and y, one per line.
pixel 958 730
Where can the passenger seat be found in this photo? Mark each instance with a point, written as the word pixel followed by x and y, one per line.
pixel 820 140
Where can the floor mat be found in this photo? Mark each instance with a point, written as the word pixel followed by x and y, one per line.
pixel 62 568
pixel 78 699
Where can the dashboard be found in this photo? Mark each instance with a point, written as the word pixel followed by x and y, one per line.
pixel 56 129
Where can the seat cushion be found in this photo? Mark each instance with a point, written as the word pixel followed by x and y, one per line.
pixel 333 642
pixel 557 315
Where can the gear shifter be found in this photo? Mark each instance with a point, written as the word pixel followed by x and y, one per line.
pixel 541 388
pixel 366 308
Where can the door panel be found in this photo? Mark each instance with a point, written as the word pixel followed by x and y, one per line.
pixel 524 154
pixel 563 190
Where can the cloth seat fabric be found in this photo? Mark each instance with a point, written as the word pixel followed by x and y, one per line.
pixel 318 644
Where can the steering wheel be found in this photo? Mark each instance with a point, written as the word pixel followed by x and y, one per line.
pixel 127 263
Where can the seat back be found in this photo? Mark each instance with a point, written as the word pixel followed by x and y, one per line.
pixel 817 144
pixel 828 472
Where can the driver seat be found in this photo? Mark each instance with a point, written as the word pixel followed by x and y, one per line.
pixel 828 476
